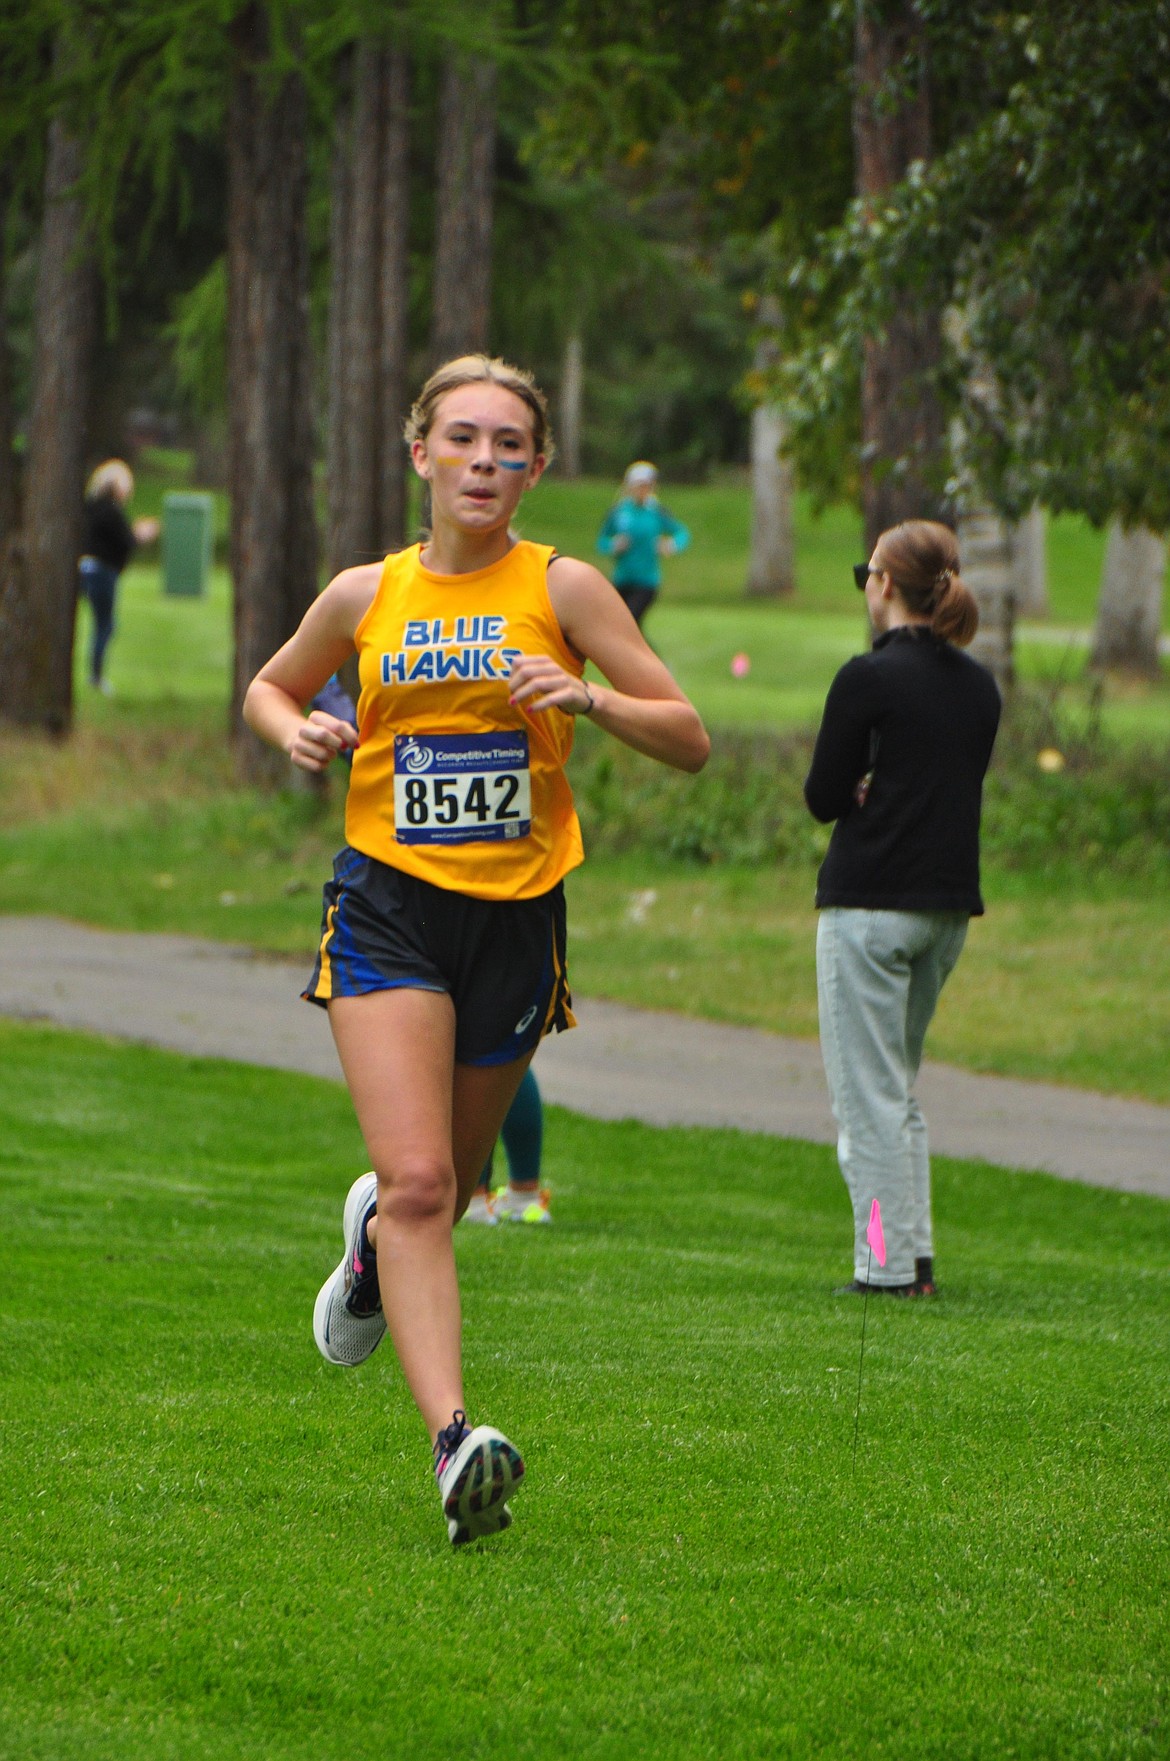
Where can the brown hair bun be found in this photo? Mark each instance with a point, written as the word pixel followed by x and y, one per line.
pixel 921 557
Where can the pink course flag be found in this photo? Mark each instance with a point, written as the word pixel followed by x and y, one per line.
pixel 874 1235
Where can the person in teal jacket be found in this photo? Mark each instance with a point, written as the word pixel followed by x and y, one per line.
pixel 523 1200
pixel 638 533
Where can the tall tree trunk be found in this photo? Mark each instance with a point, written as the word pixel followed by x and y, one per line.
pixel 369 309
pixel 361 379
pixel 463 208
pixel 7 420
pixel 395 295
pixel 274 539
pixel 569 413
pixel 38 608
pixel 337 433
pixel 902 426
pixel 985 552
pixel 772 563
pixel 1030 564
pixel 1129 611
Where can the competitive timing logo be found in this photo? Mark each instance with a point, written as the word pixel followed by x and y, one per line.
pixel 416 758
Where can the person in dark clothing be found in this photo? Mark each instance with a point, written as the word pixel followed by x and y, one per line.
pixel 903 747
pixel 108 543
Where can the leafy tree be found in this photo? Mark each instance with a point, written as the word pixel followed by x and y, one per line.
pixel 1043 226
pixel 134 80
pixel 725 131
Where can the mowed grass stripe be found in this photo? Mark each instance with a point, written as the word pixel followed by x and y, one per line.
pixel 213 1545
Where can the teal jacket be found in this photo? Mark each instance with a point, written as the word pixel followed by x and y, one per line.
pixel 643 523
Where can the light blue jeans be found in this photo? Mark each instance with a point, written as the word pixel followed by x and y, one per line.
pixel 879 976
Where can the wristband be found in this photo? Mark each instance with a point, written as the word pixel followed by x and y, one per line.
pixel 591 705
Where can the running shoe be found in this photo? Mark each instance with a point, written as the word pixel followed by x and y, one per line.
pixel 347 1319
pixel 511 1206
pixel 476 1470
pixel 480 1210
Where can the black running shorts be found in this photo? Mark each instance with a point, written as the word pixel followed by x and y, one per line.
pixel 502 962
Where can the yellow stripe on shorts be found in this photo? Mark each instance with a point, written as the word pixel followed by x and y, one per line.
pixel 559 999
pixel 324 985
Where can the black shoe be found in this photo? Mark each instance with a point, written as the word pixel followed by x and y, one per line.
pixel 924 1284
pixel 858 1287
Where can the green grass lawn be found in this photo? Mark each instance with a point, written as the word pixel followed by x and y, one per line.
pixel 213 1547
pixel 165 648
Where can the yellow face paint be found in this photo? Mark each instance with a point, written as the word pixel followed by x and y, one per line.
pixel 440 460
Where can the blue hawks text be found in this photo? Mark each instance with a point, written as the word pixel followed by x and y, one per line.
pixel 434 649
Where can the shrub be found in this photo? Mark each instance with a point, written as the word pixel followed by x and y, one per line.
pixel 746 807
pixel 1108 808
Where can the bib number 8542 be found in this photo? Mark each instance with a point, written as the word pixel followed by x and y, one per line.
pixel 458 789
pixel 439 799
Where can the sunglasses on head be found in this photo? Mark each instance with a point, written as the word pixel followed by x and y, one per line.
pixel 861 574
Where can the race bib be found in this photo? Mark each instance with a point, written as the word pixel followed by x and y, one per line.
pixel 461 788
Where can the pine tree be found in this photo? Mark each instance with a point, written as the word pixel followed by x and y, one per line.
pixel 274 538
pixel 463 207
pixel 902 429
pixel 368 306
pixel 38 596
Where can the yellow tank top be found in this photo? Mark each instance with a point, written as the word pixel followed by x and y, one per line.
pixel 451 782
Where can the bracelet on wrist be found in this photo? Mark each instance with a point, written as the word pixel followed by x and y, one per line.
pixel 590 703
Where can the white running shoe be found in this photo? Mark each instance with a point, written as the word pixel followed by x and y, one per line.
pixel 348 1322
pixel 476 1471
pixel 480 1209
pixel 511 1206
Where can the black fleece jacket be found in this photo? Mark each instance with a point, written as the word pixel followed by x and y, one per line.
pixel 108 534
pixel 899 763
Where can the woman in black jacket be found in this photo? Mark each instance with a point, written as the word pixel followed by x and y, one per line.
pixel 108 542
pixel 899 763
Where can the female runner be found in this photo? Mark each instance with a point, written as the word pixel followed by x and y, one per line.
pixel 442 955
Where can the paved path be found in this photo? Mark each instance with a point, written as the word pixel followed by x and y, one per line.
pixel 219 1001
pixel 1068 636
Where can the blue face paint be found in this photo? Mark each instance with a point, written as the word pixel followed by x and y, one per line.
pixel 513 464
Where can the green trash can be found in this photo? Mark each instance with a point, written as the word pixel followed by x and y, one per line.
pixel 188 526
